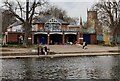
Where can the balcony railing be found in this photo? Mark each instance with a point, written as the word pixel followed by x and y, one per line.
pixel 57 30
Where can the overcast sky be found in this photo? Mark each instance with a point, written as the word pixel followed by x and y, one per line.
pixel 75 8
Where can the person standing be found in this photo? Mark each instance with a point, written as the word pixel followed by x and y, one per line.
pixel 42 51
pixel 46 50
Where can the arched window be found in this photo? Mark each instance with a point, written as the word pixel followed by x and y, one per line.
pixel 52 25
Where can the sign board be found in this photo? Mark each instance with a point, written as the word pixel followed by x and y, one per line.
pixel 81 38
pixel 29 38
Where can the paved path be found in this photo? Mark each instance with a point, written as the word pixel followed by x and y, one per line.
pixel 60 50
pixel 78 48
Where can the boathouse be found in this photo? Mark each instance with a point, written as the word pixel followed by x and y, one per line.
pixel 51 30
pixel 47 29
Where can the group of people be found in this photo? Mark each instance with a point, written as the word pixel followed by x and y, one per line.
pixel 44 50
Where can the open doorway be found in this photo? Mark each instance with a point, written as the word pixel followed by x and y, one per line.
pixel 70 38
pixel 55 39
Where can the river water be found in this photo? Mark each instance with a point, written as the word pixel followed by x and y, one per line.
pixel 84 67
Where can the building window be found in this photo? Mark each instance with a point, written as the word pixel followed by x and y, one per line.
pixel 52 25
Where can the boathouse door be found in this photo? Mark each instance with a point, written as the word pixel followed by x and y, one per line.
pixel 43 39
pixel 86 38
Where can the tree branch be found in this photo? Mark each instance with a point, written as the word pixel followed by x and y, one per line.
pixel 9 6
pixel 17 16
pixel 20 7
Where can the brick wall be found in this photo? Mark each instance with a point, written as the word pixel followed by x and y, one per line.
pixel 30 39
pixel 40 26
pixel 81 40
pixel 93 39
pixel 14 37
pixel 63 27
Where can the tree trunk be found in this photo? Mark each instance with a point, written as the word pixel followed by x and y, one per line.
pixel 114 41
pixel 26 34
pixel 27 26
pixel 25 39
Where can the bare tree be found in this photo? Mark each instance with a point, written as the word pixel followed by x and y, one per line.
pixel 108 15
pixel 24 11
pixel 7 19
pixel 55 11
pixel 58 13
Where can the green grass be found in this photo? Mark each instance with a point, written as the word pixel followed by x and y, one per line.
pixel 18 45
pixel 109 45
pixel 12 45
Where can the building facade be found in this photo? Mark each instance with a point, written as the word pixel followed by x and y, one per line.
pixel 50 30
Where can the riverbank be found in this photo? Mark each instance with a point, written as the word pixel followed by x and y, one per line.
pixel 58 55
pixel 59 51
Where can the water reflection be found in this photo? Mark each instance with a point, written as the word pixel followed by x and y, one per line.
pixel 95 67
